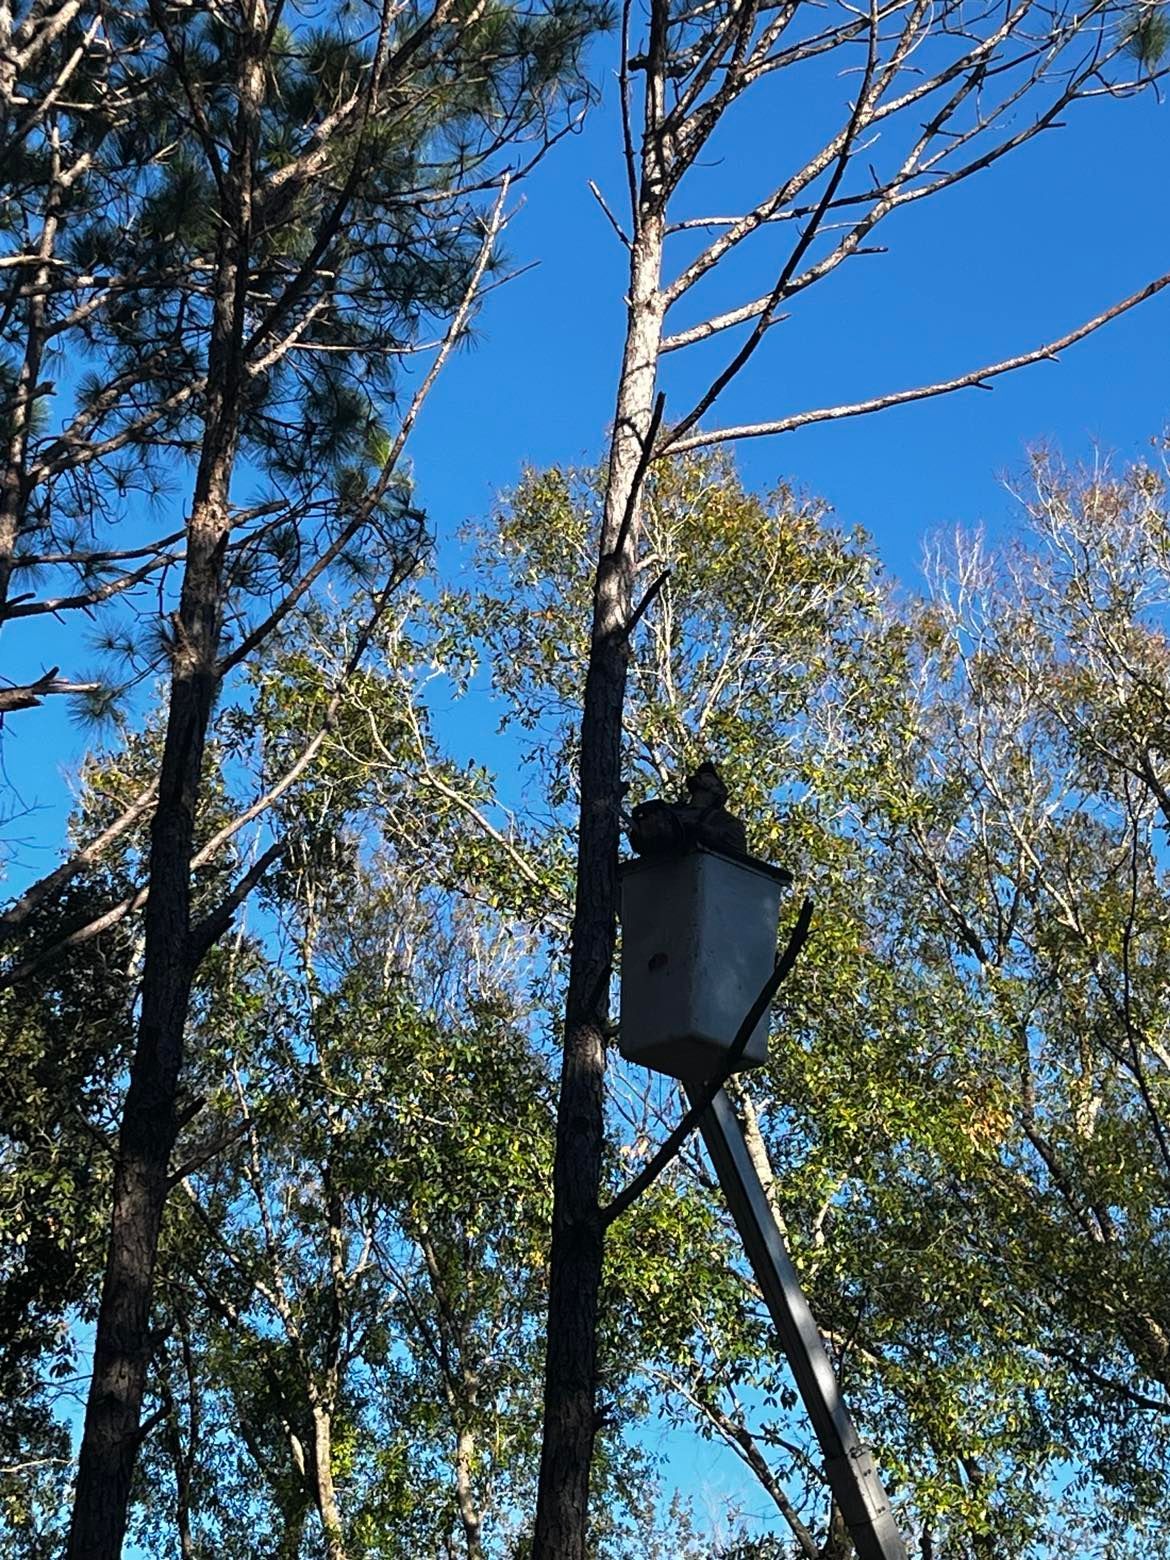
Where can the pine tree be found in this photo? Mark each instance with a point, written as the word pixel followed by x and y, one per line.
pixel 237 226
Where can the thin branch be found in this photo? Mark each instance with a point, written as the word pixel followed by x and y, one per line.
pixel 250 641
pixel 431 777
pixel 629 159
pixel 92 559
pixel 22 608
pixel 1099 1379
pixel 613 221
pixel 743 1443
pixel 717 322
pixel 203 1153
pixel 867 93
pixel 645 456
pixel 20 909
pixel 977 378
pixel 204 936
pixel 647 600
pixel 136 900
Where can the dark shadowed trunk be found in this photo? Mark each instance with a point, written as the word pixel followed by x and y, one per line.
pixel 184 1457
pixel 150 1122
pixel 570 1383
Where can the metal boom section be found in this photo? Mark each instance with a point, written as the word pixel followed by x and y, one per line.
pixel 849 1467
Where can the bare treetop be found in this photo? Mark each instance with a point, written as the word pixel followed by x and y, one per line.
pixel 927 96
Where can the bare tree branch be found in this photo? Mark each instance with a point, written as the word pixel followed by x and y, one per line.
pixel 256 636
pixel 51 884
pixel 26 696
pixel 976 378
pixel 207 933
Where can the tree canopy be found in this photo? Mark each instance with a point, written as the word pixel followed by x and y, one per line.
pixel 316 1229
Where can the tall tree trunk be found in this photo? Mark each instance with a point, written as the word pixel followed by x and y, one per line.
pixel 324 1494
pixel 182 1471
pixel 149 1120
pixel 183 1457
pixel 461 1389
pixel 469 1513
pixel 13 473
pixel 575 1264
pixel 150 1124
pixel 838 1545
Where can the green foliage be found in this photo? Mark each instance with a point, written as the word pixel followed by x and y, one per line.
pixel 1147 34
pixel 365 215
pixel 221 215
pixel 977 939
pixel 380 1039
pixel 66 1035
pixel 964 1109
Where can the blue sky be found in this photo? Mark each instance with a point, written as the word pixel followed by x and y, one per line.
pixel 1020 254
pixel 1072 223
pixel 1017 256
pixel 1060 230
pixel 1057 231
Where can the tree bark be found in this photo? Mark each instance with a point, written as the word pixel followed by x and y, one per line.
pixel 469 1513
pixel 570 1421
pixel 181 1463
pixel 838 1545
pixel 150 1124
pixel 13 475
pixel 324 1494
pixel 149 1121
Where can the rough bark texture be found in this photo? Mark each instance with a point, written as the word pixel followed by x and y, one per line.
pixel 13 474
pixel 575 1266
pixel 123 1343
pixel 469 1513
pixel 182 1461
pixel 149 1122
pixel 323 1397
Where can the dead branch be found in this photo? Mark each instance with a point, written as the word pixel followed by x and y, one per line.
pixel 975 379
pixel 27 696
